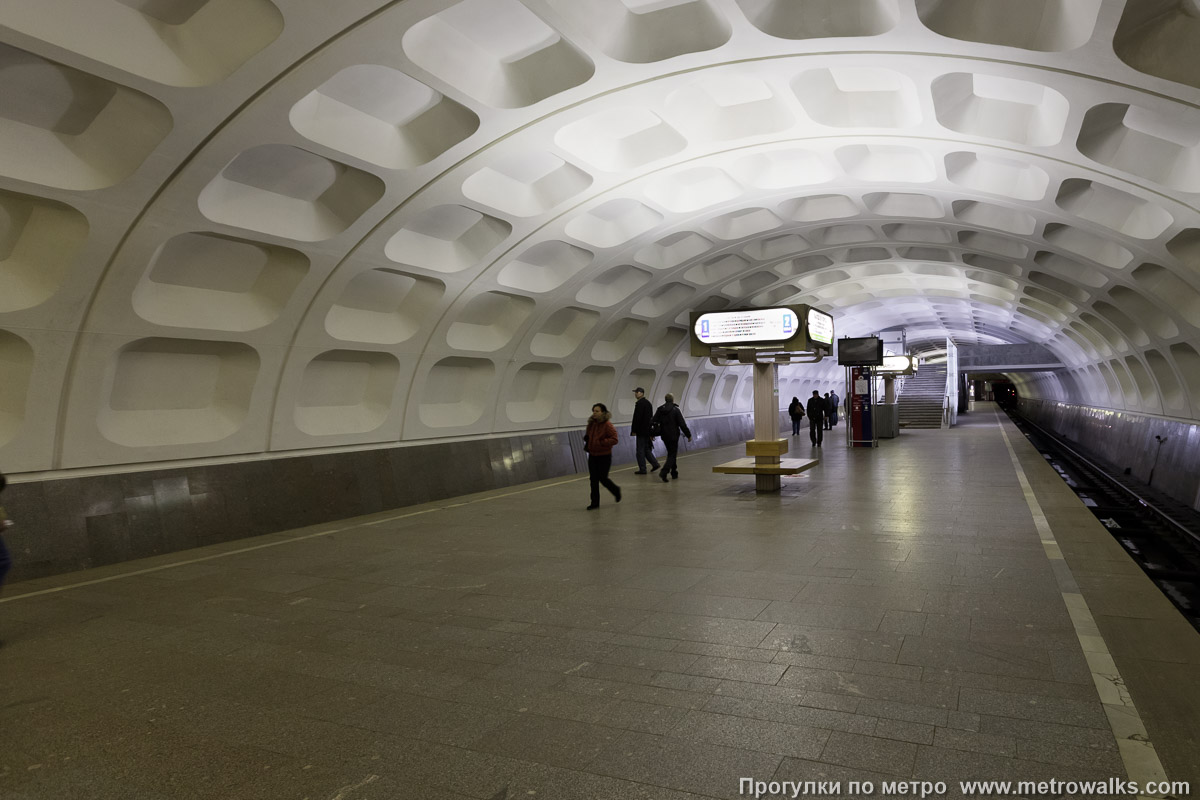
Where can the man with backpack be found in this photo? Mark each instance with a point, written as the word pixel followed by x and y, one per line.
pixel 670 422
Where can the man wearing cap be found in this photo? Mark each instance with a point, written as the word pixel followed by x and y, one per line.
pixel 643 411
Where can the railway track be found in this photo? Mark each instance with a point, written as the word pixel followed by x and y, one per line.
pixel 1164 542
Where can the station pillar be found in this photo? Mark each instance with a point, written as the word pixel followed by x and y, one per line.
pixel 766 425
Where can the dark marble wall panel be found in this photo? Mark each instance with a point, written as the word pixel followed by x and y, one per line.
pixel 68 524
pixel 1126 441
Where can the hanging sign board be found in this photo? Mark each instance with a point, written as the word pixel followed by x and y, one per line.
pixel 820 328
pixel 898 365
pixel 785 328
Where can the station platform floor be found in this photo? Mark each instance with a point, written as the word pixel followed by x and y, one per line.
pixel 941 608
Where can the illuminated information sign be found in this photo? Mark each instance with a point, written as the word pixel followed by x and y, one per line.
pixel 905 364
pixel 741 327
pixel 820 327
pixel 784 328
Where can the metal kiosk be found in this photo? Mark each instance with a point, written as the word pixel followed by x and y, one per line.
pixel 765 338
pixel 859 356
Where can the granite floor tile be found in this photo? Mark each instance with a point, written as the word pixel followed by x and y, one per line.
pixel 907 672
pixel 963 721
pixel 870 753
pixel 666 578
pixel 708 769
pixel 1032 731
pixel 974 742
pixel 913 732
pixel 613 672
pixel 817 662
pixel 764 586
pixel 905 712
pixel 1032 707
pixel 538 780
pixel 739 633
pixel 726 651
pixel 619 596
pixel 426 718
pixel 616 690
pixel 643 658
pixel 976 657
pixel 544 701
pixel 955 766
pixel 691 683
pixel 644 717
pixel 545 740
pixel 785 695
pixel 736 669
pixel 752 734
pixel 945 626
pixel 905 623
pixel 827 776
pixel 1100 760
pixel 869 646
pixel 1064 689
pixel 553 613
pixel 705 605
pixel 860 685
pixel 797 715
pixel 851 596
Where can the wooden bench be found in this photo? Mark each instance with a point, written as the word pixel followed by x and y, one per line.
pixel 747 466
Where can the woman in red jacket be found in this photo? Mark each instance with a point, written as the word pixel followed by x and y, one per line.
pixel 598 442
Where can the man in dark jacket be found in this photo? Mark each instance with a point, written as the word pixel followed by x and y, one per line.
pixel 670 423
pixel 834 404
pixel 816 418
pixel 643 411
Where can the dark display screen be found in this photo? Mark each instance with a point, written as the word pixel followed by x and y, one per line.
pixel 864 352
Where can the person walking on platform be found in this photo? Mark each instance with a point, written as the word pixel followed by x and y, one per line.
pixel 598 442
pixel 816 418
pixel 796 412
pixel 643 412
pixel 670 423
pixel 834 402
pixel 828 410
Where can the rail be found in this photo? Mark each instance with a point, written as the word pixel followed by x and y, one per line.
pixel 1058 442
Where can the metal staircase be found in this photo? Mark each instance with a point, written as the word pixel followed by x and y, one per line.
pixel 920 400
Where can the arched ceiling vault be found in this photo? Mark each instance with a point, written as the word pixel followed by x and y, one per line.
pixel 254 226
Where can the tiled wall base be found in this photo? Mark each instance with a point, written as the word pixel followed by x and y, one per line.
pixel 1126 441
pixel 75 523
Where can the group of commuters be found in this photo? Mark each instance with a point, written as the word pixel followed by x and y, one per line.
pixel 666 422
pixel 822 413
